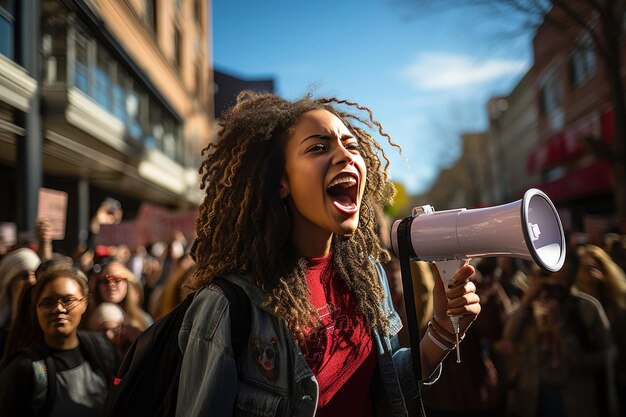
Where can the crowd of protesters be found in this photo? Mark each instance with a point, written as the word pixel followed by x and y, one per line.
pixel 544 345
pixel 71 318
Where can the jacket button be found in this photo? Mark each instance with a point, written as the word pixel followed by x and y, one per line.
pixel 307 398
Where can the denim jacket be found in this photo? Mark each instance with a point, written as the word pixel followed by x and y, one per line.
pixel 271 376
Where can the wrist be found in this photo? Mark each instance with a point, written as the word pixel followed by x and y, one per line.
pixel 446 330
pixel 438 341
pixel 443 325
pixel 441 333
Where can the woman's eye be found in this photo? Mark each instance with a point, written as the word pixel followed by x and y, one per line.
pixel 354 146
pixel 316 148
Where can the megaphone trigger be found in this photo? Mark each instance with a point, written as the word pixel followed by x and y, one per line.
pixel 447 269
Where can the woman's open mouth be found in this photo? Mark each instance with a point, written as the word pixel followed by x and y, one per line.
pixel 343 191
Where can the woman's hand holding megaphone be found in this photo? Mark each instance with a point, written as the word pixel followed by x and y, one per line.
pixel 458 299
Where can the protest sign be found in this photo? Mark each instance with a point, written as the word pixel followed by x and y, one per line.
pixel 53 209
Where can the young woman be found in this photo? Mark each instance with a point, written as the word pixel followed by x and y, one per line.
pixel 288 216
pixel 599 276
pixel 113 283
pixel 17 271
pixel 53 369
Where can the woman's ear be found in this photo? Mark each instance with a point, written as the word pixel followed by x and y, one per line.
pixel 283 190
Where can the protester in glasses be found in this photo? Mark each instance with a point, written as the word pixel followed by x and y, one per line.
pixel 17 271
pixel 112 282
pixel 54 368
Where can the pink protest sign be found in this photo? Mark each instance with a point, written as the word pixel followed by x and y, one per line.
pixel 53 209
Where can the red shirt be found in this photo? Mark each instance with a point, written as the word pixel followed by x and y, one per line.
pixel 340 352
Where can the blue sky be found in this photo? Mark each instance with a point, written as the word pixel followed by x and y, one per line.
pixel 426 76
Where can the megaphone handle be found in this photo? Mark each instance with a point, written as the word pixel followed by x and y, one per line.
pixel 447 269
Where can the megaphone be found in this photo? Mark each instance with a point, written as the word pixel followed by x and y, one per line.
pixel 529 229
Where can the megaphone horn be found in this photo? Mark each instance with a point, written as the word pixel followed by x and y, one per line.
pixel 529 228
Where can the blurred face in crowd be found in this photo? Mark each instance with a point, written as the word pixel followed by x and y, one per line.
pixel 111 329
pixel 556 285
pixel 20 281
pixel 590 274
pixel 113 282
pixel 60 307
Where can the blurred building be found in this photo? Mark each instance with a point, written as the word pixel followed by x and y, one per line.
pixel 227 86
pixel 552 132
pixel 467 183
pixel 575 122
pixel 102 98
pixel 513 135
pixel 492 168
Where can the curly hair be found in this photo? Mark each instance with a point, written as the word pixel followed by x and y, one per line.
pixel 243 225
pixel 612 286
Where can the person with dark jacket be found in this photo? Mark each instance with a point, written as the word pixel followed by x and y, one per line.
pixel 50 367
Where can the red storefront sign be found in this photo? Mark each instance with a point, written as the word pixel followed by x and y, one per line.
pixel 608 128
pixel 570 143
pixel 591 180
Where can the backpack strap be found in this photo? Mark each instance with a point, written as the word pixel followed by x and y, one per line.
pixel 44 380
pixel 99 352
pixel 240 313
pixel 51 395
pixel 40 383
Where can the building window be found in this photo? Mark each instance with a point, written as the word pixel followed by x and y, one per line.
pixel 81 63
pixel 7 28
pixel 169 140
pixel 107 82
pixel 102 80
pixel 54 45
pixel 199 81
pixel 198 11
pixel 133 106
pixel 551 94
pixel 149 11
pixel 178 55
pixel 582 61
pixel 155 14
pixel 118 93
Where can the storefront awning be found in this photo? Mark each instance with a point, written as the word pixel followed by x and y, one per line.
pixel 591 180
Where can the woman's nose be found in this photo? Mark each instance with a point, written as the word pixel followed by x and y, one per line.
pixel 59 307
pixel 342 155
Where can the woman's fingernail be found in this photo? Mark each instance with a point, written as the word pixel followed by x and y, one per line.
pixel 454 283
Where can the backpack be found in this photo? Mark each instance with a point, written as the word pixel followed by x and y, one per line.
pixel 96 350
pixel 147 381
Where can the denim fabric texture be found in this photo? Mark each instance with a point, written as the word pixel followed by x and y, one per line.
pixel 271 376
